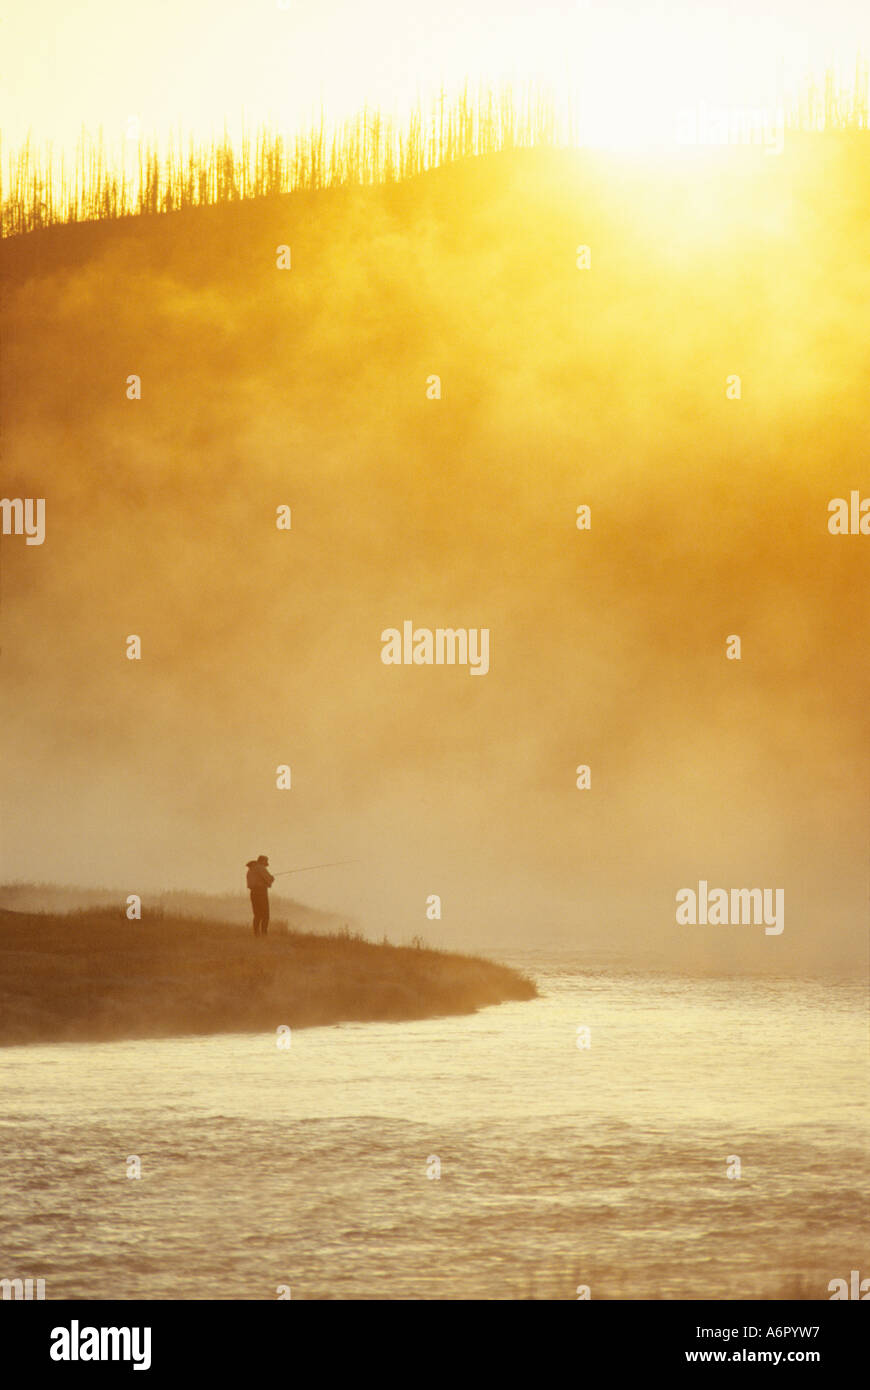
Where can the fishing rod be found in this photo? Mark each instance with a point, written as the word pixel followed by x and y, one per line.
pixel 308 867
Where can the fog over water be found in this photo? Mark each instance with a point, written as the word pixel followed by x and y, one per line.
pixel 560 387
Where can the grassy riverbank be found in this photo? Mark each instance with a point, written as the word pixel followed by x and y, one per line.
pixel 94 976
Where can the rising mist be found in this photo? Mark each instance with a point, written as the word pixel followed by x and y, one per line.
pixel 560 387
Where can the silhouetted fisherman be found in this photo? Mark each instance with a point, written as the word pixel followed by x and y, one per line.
pixel 259 882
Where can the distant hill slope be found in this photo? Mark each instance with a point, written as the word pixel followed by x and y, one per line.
pixel 213 907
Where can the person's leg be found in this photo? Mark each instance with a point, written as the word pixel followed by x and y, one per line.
pixel 260 900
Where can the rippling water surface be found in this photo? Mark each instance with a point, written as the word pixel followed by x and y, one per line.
pixel 559 1166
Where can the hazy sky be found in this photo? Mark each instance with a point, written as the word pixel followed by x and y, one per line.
pixel 198 63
